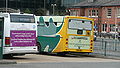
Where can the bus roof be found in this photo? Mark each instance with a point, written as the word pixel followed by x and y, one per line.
pixel 2 14
pixel 21 14
pixel 55 18
pixel 80 17
pixel 60 18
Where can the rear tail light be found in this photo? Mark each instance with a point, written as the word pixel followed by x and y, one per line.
pixel 66 39
pixel 91 40
pixel 7 40
pixel 90 47
pixel 91 44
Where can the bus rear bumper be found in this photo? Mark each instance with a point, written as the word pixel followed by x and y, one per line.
pixel 78 50
pixel 20 50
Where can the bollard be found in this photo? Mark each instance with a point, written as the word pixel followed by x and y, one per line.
pixel 115 44
pixel 105 49
pixel 102 44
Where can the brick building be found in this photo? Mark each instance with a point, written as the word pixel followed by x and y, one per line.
pixel 106 13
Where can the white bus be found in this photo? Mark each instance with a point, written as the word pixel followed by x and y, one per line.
pixel 20 34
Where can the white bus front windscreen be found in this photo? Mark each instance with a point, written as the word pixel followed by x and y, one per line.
pixel 80 24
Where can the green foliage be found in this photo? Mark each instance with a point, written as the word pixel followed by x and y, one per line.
pixel 40 12
pixel 27 11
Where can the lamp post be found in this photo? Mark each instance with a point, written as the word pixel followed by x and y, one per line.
pixel 44 4
pixel 44 7
pixel 53 5
pixel 6 5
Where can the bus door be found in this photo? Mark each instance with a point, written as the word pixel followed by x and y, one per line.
pixel 79 32
pixel 1 35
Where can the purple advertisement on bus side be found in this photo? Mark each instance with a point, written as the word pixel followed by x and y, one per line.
pixel 22 38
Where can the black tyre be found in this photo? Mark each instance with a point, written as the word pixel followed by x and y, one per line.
pixel 7 56
pixel 39 47
pixel 61 54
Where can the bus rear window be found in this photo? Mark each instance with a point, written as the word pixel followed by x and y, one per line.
pixel 80 24
pixel 22 18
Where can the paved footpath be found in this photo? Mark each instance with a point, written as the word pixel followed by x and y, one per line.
pixel 7 62
pixel 36 58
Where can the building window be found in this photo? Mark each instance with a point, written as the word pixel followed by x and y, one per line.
pixel 118 12
pixel 109 12
pixel 104 27
pixel 89 12
pixel 93 13
pixel 96 12
pixel 73 12
pixel 112 27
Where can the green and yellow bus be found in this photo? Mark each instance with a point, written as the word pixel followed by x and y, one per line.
pixel 65 34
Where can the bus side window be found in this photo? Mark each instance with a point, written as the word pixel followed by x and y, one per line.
pixel 38 22
pixel 79 31
pixel 55 23
pixel 47 23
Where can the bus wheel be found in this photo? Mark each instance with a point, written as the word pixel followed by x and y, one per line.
pixel 39 47
pixel 61 54
pixel 7 56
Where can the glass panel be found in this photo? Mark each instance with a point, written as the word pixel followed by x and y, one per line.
pixel 74 31
pixel 22 19
pixel 109 11
pixel 89 13
pixel 93 13
pixel 118 12
pixel 80 24
pixel 104 27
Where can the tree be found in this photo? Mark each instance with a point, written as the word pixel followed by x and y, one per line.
pixel 27 11
pixel 40 12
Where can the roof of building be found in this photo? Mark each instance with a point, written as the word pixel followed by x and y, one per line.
pixel 89 3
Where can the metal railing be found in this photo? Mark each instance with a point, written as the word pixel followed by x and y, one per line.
pixel 107 47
